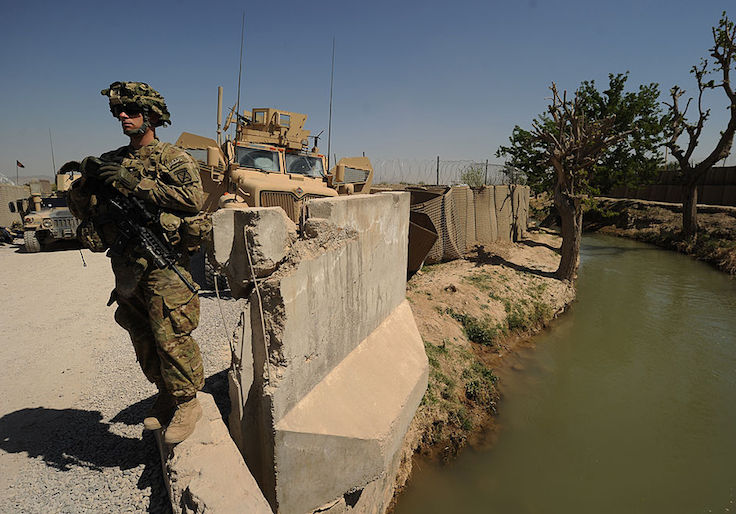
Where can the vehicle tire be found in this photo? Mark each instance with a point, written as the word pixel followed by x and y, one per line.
pixel 32 244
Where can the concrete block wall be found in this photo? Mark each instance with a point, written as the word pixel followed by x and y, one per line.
pixel 330 367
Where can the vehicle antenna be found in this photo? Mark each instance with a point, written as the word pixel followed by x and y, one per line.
pixel 329 123
pixel 240 67
pixel 53 162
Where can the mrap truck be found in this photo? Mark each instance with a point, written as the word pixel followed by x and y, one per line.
pixel 270 164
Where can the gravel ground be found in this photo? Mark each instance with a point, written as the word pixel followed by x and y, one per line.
pixel 71 434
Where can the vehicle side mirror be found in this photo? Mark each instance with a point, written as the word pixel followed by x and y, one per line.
pixel 339 174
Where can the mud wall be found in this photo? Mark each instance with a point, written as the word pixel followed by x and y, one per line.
pixel 329 366
pixel 716 187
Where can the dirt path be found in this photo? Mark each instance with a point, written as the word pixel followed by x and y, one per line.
pixel 73 396
pixel 53 320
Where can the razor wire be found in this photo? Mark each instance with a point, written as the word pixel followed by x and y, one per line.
pixel 444 172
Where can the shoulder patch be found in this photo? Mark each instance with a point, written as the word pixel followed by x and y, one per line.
pixel 184 176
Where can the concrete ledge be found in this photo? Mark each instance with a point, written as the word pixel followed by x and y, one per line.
pixel 206 473
pixel 347 430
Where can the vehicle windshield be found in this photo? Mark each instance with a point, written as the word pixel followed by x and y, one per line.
pixel 53 202
pixel 304 165
pixel 256 158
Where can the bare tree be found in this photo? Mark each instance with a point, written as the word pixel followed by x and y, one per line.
pixel 572 144
pixel 723 52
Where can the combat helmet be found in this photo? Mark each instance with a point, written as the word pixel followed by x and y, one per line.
pixel 141 94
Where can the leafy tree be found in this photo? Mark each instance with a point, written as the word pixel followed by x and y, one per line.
pixel 524 153
pixel 632 160
pixel 723 52
pixel 572 144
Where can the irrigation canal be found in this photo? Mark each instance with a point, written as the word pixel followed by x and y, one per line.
pixel 628 404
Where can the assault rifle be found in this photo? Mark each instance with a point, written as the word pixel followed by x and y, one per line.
pixel 137 224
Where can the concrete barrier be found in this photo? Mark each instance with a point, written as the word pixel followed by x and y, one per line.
pixel 330 366
pixel 206 473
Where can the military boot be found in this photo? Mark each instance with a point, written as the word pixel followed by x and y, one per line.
pixel 188 412
pixel 161 411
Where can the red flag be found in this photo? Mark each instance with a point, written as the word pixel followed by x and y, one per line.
pixel 19 164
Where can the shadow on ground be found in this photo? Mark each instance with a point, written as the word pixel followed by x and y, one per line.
pixel 68 437
pixel 481 256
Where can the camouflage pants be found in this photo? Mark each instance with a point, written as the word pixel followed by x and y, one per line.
pixel 160 312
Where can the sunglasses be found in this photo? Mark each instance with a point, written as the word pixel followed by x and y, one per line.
pixel 129 109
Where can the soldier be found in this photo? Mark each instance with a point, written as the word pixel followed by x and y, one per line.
pixel 155 305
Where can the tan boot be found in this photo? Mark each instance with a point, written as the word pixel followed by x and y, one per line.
pixel 188 412
pixel 161 411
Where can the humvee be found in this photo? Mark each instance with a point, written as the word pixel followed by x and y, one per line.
pixel 47 220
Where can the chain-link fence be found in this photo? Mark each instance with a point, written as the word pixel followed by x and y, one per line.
pixel 438 171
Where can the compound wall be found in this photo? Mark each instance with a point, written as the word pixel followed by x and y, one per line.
pixel 716 187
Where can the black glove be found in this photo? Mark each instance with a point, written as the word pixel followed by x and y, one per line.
pixel 90 166
pixel 117 176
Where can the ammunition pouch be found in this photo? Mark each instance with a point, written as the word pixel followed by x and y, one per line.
pixel 185 232
pixel 170 224
pixel 194 230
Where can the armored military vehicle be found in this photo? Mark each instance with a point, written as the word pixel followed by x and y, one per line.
pixel 47 220
pixel 269 164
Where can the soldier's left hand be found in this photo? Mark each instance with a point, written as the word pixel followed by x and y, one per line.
pixel 117 176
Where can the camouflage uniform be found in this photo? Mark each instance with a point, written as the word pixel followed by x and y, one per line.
pixel 154 305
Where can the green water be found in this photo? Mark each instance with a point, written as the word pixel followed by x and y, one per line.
pixel 627 405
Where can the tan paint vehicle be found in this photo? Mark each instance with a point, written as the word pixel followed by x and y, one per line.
pixel 47 220
pixel 269 165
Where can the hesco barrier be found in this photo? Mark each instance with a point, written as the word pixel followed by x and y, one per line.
pixel 464 217
pixel 716 187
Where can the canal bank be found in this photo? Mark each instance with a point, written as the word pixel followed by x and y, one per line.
pixel 471 314
pixel 660 223
pixel 625 405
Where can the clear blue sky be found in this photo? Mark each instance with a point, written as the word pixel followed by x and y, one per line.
pixel 412 79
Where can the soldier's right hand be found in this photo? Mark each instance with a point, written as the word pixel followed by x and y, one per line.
pixel 90 166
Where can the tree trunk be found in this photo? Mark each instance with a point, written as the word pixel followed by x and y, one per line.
pixel 690 210
pixel 571 221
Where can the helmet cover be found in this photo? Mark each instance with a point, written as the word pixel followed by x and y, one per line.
pixel 142 95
